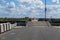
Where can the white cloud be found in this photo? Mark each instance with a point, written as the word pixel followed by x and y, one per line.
pixel 52 10
pixel 35 9
pixel 11 5
pixel 9 10
pixel 33 5
pixel 1 7
pixel 24 0
pixel 22 10
pixel 4 1
pixel 56 1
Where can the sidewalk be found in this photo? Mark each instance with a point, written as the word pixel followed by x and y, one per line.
pixel 19 26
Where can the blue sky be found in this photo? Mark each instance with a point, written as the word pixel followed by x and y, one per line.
pixel 29 8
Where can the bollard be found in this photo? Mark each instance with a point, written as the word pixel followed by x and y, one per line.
pixel 5 27
pixel 1 28
pixel 10 27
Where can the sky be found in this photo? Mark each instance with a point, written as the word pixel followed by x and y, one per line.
pixel 29 8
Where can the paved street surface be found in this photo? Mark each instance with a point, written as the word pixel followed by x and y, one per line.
pixel 32 33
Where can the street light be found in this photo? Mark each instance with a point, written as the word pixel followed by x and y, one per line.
pixel 45 10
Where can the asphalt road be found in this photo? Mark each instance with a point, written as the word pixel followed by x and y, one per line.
pixel 32 33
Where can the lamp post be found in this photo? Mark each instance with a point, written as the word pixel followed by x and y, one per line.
pixel 45 10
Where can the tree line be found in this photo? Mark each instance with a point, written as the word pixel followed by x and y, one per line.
pixel 14 19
